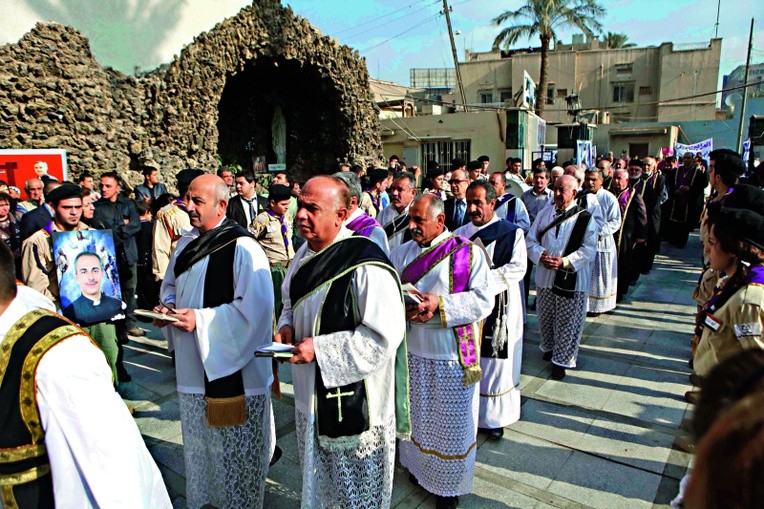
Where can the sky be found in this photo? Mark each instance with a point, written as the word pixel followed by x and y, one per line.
pixel 393 35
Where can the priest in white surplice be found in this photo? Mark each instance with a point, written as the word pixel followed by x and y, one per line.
pixel 358 221
pixel 451 275
pixel 562 242
pixel 395 217
pixel 343 311
pixel 604 283
pixel 502 345
pixel 218 286
pixel 74 426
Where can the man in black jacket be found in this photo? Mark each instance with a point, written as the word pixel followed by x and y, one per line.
pixel 245 207
pixel 456 207
pixel 116 213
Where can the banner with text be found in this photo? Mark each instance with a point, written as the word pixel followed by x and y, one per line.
pixel 584 152
pixel 704 147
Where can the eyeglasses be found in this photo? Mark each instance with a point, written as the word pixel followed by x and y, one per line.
pixel 457 181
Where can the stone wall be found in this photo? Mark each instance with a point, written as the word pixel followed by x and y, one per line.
pixel 53 94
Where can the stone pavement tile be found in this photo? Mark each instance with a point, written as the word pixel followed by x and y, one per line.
pixel 288 444
pixel 170 456
pixel 652 395
pixel 564 425
pixel 406 495
pixel 600 483
pixel 487 495
pixel 283 489
pixel 160 421
pixel 135 394
pixel 588 386
pixel 283 415
pixel 526 459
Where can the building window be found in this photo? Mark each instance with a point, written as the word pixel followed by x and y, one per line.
pixel 562 93
pixel 645 90
pixel 550 94
pixel 445 151
pixel 623 93
pixel 505 95
pixel 485 97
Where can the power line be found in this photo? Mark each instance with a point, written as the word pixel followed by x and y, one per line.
pixel 375 28
pixel 418 25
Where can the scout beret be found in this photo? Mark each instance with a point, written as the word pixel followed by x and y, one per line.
pixel 745 196
pixel 279 192
pixel 64 192
pixel 185 177
pixel 744 225
pixel 474 165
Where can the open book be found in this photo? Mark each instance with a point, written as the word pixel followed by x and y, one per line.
pixel 279 350
pixel 410 294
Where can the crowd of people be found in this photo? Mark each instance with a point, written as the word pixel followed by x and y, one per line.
pixel 403 295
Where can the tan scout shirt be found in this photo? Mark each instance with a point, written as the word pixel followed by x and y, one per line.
pixel 170 222
pixel 267 230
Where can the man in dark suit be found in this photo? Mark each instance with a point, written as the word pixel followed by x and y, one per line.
pixel 456 207
pixel 39 217
pixel 245 207
pixel 652 186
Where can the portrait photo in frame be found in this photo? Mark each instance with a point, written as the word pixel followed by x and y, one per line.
pixel 88 279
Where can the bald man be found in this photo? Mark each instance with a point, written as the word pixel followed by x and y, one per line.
pixel 344 313
pixel 562 242
pixel 222 316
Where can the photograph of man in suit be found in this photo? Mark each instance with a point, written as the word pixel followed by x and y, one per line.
pixel 92 306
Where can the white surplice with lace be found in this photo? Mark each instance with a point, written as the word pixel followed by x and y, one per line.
pixel 334 473
pixel 225 467
pixel 499 386
pixel 444 413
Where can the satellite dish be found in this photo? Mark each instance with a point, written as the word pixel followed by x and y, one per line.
pixel 732 101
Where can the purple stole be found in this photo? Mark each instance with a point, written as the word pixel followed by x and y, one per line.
pixel 682 178
pixel 363 225
pixel 467 338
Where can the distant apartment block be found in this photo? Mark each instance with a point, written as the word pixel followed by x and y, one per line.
pixel 735 79
pixel 655 83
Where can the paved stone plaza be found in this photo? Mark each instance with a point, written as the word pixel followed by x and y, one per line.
pixel 600 438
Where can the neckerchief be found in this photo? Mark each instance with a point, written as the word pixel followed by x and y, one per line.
pixel 284 229
pixel 363 225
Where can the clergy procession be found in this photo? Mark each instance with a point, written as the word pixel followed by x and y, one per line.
pixel 403 334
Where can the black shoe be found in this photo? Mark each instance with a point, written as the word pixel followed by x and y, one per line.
pixel 446 502
pixel 123 375
pixel 277 452
pixel 413 480
pixel 495 434
pixel 592 314
pixel 558 372
pixel 696 380
pixel 532 307
pixel 547 356
pixel 691 363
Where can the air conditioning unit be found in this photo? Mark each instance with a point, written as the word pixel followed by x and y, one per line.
pixel 603 117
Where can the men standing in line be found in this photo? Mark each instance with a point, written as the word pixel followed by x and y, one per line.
pixel 455 208
pixel 76 427
pixel 244 208
pixel 218 286
pixel 535 199
pixel 563 242
pixel 395 218
pixel 451 276
pixel 606 167
pixel 225 173
pixel 357 220
pixel 633 229
pixel 649 183
pixel 602 291
pixel 685 187
pixel 346 322
pixel 502 342
pixel 33 188
pixel 508 206
pixel 151 189
pixel 273 230
pixel 116 213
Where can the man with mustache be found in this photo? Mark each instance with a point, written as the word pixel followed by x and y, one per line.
pixel 218 288
pixel 562 243
pixel 344 314
pixel 450 275
pixel 394 218
pixel 508 206
pixel 632 232
pixel 455 208
pixel 502 341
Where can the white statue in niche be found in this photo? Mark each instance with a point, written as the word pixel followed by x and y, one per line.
pixel 278 131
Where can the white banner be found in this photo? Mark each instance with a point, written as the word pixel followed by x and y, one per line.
pixel 584 152
pixel 704 147
pixel 529 91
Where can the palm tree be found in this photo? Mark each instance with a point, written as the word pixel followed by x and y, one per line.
pixel 542 18
pixel 613 40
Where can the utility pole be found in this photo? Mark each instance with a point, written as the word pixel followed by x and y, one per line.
pixel 745 93
pixel 456 58
pixel 716 26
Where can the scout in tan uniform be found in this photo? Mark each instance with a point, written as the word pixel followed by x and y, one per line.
pixel 734 316
pixel 273 230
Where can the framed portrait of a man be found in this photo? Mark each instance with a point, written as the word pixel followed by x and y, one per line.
pixel 86 269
